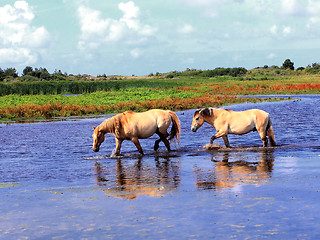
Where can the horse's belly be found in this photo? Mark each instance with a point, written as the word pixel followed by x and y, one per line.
pixel 145 135
pixel 241 130
pixel 146 132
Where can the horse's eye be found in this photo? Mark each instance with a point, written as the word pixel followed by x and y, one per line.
pixel 197 118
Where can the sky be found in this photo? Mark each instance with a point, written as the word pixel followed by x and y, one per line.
pixel 140 37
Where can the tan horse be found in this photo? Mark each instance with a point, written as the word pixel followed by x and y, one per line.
pixel 134 126
pixel 231 122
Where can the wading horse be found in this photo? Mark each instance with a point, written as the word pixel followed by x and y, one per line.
pixel 231 122
pixel 134 126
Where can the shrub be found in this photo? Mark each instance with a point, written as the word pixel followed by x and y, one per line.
pixel 10 72
pixel 313 69
pixel 287 64
pixel 29 78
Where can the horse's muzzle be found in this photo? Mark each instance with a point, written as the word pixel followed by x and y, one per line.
pixel 194 129
pixel 95 149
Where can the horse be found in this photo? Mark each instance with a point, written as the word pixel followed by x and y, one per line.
pixel 134 126
pixel 231 122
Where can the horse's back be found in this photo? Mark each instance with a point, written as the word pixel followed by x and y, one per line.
pixel 252 114
pixel 148 117
pixel 260 116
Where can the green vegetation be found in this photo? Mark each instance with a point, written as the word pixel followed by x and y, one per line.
pixel 98 98
pixel 39 94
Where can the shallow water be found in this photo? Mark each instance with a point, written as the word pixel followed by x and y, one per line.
pixel 53 186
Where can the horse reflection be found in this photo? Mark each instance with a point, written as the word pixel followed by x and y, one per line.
pixel 128 180
pixel 225 174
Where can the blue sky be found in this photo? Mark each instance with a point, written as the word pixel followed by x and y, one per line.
pixel 142 36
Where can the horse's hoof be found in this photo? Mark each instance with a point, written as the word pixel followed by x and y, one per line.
pixel 116 155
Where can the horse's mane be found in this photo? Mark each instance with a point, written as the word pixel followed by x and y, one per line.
pixel 112 125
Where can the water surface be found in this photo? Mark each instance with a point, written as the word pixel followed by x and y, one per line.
pixel 53 186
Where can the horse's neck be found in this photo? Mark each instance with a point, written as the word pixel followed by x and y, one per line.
pixel 107 126
pixel 215 113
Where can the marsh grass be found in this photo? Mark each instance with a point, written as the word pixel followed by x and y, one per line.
pixel 86 98
pixel 51 110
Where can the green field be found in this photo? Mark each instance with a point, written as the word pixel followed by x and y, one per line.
pixel 178 91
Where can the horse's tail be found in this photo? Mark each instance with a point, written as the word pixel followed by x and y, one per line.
pixel 270 133
pixel 175 131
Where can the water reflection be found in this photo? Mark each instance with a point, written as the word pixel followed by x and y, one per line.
pixel 230 172
pixel 129 179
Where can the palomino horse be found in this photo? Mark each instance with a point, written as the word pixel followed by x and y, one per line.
pixel 134 126
pixel 231 122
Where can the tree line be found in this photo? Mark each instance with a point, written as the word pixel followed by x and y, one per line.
pixel 30 74
pixel 41 74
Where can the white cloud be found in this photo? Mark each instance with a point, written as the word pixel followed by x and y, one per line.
pixel 20 41
pixel 313 6
pixel 313 22
pixel 92 25
pixel 17 55
pixel 280 31
pixel 18 13
pixel 135 53
pixel 313 9
pixel 131 15
pixel 97 31
pixel 271 56
pixel 274 29
pixel 186 29
pixel 286 30
pixel 290 7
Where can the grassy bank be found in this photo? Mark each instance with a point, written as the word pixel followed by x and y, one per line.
pixel 111 96
pixel 51 110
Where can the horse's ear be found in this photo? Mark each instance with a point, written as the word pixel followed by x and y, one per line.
pixel 93 127
pixel 205 112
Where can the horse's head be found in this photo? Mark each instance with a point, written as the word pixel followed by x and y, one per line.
pixel 98 138
pixel 198 119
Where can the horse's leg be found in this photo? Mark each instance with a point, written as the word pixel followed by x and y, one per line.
pixel 156 144
pixel 118 146
pixel 136 142
pixel 166 142
pixel 263 136
pixel 163 138
pixel 217 135
pixel 226 141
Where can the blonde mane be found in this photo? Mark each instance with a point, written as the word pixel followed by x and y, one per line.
pixel 111 125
